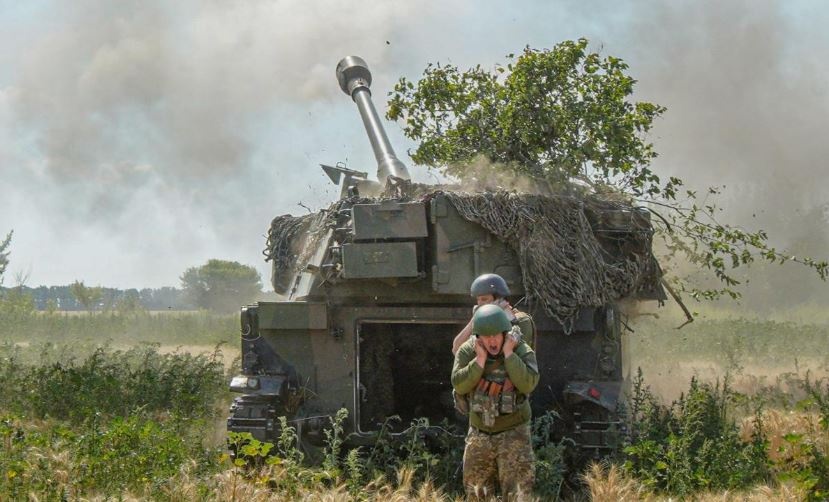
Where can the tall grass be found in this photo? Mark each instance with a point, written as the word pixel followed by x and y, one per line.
pixel 123 328
pixel 59 383
pixel 104 422
pixel 91 421
pixel 693 444
pixel 731 343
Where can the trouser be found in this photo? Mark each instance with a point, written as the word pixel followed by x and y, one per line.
pixel 505 459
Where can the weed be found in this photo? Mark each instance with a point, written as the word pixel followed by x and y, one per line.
pixel 130 453
pixel 807 465
pixel 334 442
pixel 693 444
pixel 550 465
pixel 20 322
pixel 110 382
pixel 804 457
pixel 108 458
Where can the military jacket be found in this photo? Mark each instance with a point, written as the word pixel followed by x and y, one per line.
pixel 520 368
pixel 525 322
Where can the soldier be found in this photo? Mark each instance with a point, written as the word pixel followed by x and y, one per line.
pixel 496 371
pixel 492 288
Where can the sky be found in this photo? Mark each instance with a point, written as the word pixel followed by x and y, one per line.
pixel 140 138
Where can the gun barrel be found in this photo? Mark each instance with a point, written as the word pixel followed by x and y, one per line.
pixel 355 80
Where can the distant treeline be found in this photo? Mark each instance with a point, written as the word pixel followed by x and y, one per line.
pixel 61 298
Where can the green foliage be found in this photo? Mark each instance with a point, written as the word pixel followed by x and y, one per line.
pixel 158 299
pixel 150 448
pixel 19 475
pixel 221 285
pixel 354 471
pixel 334 442
pixel 283 471
pixel 19 321
pixel 806 464
pixel 423 452
pixel 130 303
pixel 693 444
pixel 101 457
pixel 86 296
pixel 818 398
pixel 550 463
pixel 689 226
pixel 109 382
pixel 428 452
pixel 552 114
pixel 127 453
pixel 16 310
pixel 4 254
pixel 805 457
pixel 565 113
pixel 733 343
pixel 419 451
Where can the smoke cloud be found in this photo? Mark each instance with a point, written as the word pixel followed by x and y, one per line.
pixel 140 138
pixel 743 83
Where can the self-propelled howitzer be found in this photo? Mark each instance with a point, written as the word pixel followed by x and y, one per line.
pixel 377 286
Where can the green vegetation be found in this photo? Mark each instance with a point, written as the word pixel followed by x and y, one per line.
pixel 554 115
pixel 128 323
pixel 693 444
pixel 86 296
pixel 105 423
pixel 62 298
pixel 86 420
pixel 4 254
pixel 108 382
pixel 733 343
pixel 220 285
pixel 161 448
pixel 135 454
pixel 363 471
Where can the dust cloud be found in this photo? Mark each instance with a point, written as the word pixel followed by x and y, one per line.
pixel 744 83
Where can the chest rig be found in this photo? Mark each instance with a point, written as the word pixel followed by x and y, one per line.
pixel 495 394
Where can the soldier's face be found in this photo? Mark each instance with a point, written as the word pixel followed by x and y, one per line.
pixel 493 343
pixel 485 299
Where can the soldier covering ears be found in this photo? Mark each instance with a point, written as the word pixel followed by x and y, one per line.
pixel 496 371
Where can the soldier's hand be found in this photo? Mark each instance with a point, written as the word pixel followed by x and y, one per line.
pixel 510 341
pixel 480 352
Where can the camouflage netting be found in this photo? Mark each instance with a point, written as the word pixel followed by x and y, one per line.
pixel 569 256
pixel 282 246
pixel 566 263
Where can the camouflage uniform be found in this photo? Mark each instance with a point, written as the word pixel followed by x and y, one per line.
pixel 525 321
pixel 505 457
pixel 498 445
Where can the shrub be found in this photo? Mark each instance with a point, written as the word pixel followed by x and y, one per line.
pixel 109 382
pixel 804 458
pixel 693 444
pixel 550 464
pixel 131 453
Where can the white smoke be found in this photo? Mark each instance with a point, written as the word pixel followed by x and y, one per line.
pixel 139 138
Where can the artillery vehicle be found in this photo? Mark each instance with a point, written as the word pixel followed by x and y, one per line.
pixel 377 286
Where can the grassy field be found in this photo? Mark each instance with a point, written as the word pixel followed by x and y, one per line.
pixel 131 405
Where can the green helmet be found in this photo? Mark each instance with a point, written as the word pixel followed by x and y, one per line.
pixel 489 284
pixel 490 320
